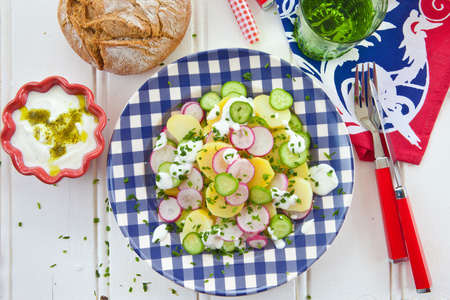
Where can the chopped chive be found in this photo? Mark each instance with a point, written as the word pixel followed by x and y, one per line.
pixel 126 180
pixel 336 212
pixel 247 76
pixel 95 181
pixel 52 265
pixel 96 220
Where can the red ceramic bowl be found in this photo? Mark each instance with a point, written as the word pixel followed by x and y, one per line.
pixel 9 127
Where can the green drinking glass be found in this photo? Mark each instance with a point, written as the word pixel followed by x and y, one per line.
pixel 327 29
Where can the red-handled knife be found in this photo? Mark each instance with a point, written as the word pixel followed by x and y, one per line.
pixel 416 254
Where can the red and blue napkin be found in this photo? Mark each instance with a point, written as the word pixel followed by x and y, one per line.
pixel 411 49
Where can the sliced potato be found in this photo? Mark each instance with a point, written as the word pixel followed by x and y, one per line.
pixel 218 206
pixel 271 209
pixel 180 125
pixel 172 192
pixel 263 172
pixel 197 221
pixel 274 118
pixel 302 171
pixel 205 157
pixel 302 189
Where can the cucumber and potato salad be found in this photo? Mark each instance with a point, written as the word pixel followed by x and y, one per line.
pixel 232 171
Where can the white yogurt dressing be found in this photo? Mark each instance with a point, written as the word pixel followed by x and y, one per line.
pixel 279 244
pixel 165 181
pixel 283 199
pixel 225 123
pixel 306 227
pixel 323 179
pixel 160 233
pixel 36 151
pixel 212 241
pixel 296 142
pixel 184 161
pixel 161 141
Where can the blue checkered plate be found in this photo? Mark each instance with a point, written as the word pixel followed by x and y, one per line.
pixel 131 181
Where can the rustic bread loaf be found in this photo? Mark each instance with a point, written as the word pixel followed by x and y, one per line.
pixel 124 36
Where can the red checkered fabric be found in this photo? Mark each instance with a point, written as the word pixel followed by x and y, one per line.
pixel 245 20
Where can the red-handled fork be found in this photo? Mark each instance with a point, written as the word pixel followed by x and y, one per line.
pixel 393 232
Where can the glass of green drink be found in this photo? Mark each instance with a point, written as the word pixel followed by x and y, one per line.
pixel 327 29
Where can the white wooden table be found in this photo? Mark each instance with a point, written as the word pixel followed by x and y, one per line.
pixel 355 267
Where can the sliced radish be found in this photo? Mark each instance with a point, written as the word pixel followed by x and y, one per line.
pixel 194 109
pixel 163 154
pixel 253 219
pixel 243 138
pixel 297 215
pixel 209 137
pixel 242 169
pixel 229 229
pixel 194 180
pixel 169 135
pixel 221 158
pixel 189 199
pixel 240 196
pixel 263 141
pixel 257 241
pixel 279 181
pixel 169 210
pixel 186 104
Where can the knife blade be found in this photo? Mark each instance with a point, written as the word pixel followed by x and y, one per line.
pixel 419 266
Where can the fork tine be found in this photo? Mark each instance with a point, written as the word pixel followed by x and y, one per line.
pixel 363 88
pixel 356 86
pixel 375 82
pixel 369 93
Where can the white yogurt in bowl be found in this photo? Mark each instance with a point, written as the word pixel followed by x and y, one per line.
pixel 54 130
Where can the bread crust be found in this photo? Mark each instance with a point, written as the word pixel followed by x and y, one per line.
pixel 124 37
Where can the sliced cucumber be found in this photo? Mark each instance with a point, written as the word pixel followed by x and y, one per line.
pixel 241 112
pixel 280 99
pixel 233 86
pixel 228 246
pixel 233 95
pixel 291 160
pixel 295 124
pixel 225 184
pixel 180 221
pixel 208 100
pixel 257 121
pixel 281 226
pixel 306 137
pixel 165 168
pixel 193 243
pixel 259 195
pixel 171 143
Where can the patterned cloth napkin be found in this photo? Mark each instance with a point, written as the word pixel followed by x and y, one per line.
pixel 411 51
